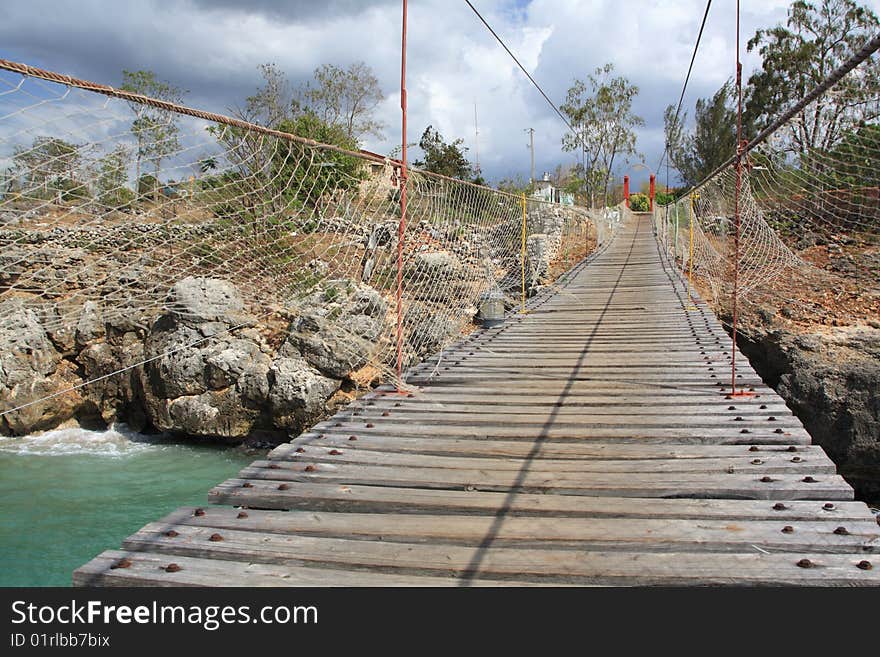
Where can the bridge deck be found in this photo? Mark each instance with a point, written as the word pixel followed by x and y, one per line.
pixel 587 442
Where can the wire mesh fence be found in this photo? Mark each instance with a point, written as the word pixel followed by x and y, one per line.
pixel 809 239
pixel 120 213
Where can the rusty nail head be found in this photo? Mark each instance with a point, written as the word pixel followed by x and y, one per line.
pixel 788 529
pixel 828 506
pixel 410 395
pixel 338 424
pixel 841 531
pixel 283 486
pixel 242 514
pixel 352 437
pixel 796 459
pixel 369 425
pixel 386 413
pixel 809 480
pixel 771 419
pixel 334 452
pixel 397 404
pixel 757 462
pixel 310 468
pixel 273 466
pixel 199 512
pixel 731 408
pixel 300 450
pixel 754 448
pixel 779 506
pixel 247 484
pixel 738 418
pixel 805 563
pixel 792 448
pixel 864 565
pixel 745 431
pixel 763 406
pixel 172 568
pixel 171 533
pixel 122 563
pixel 779 430
pixel 766 480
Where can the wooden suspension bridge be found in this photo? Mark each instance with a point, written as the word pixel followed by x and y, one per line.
pixel 587 442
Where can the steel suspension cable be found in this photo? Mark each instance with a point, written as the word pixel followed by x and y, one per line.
pixel 686 80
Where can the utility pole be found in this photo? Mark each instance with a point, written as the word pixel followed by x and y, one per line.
pixel 531 132
pixel 476 139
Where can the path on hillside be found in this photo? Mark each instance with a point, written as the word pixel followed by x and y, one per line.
pixel 586 442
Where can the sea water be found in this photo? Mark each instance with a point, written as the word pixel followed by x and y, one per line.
pixel 67 495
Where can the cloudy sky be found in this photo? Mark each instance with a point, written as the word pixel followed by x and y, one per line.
pixel 212 48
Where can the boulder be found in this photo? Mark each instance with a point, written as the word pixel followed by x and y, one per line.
pixel 297 392
pixel 198 300
pixel 31 369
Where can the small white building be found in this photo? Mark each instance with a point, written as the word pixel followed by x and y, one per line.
pixel 545 191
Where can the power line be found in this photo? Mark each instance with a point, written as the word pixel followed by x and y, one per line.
pixel 687 78
pixel 522 68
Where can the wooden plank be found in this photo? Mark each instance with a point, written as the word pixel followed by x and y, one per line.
pixel 593 450
pixel 657 434
pixel 390 499
pixel 549 565
pixel 748 486
pixel 745 463
pixel 862 537
pixel 149 569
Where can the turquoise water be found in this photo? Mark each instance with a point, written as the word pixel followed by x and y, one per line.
pixel 67 495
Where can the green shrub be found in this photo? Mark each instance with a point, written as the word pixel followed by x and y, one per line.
pixel 639 203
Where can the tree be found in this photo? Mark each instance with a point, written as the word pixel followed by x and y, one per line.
pixel 515 185
pixel 50 164
pixel 155 131
pixel 696 155
pixel 445 159
pixel 272 103
pixel 307 175
pixel 817 39
pixel 601 112
pixel 112 177
pixel 343 97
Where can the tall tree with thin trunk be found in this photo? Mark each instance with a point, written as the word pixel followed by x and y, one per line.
pixel 601 111
pixel 156 131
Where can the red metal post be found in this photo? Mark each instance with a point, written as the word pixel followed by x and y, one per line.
pixel 401 230
pixel 736 206
pixel 653 186
pixel 626 190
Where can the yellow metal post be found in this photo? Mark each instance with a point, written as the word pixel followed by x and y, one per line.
pixel 523 255
pixel 691 305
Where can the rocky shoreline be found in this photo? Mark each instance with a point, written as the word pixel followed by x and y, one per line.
pixel 207 368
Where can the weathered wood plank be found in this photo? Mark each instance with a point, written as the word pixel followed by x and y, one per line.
pixel 390 499
pixel 745 463
pixel 550 565
pixel 646 484
pixel 149 569
pixel 862 537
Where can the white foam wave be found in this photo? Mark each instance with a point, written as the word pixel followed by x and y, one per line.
pixel 118 440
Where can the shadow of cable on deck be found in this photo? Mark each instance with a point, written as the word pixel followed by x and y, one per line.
pixel 474 565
